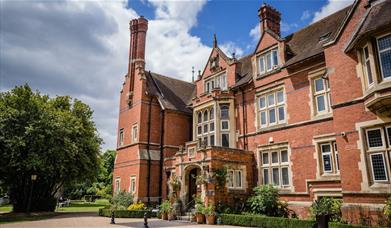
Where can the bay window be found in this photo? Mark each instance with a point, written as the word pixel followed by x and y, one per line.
pixel 205 127
pixel 271 109
pixel 367 66
pixel 378 153
pixel 224 123
pixel 384 49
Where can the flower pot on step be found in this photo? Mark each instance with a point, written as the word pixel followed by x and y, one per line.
pixel 164 216
pixel 200 218
pixel 210 219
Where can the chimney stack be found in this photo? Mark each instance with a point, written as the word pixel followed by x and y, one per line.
pixel 138 33
pixel 270 19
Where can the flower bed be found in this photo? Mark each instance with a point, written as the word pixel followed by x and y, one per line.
pixel 126 213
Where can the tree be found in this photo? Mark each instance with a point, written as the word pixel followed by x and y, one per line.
pixel 102 187
pixel 53 138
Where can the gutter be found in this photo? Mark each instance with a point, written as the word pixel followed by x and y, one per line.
pixel 148 151
pixel 162 119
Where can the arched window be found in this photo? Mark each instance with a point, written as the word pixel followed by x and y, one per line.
pixel 205 115
pixel 224 112
pixel 199 117
pixel 212 113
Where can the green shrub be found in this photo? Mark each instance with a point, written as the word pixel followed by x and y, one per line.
pixel 122 200
pixel 266 202
pixel 387 208
pixel 340 225
pixel 165 207
pixel 137 206
pixel 327 206
pixel 126 213
pixel 264 221
pixel 209 210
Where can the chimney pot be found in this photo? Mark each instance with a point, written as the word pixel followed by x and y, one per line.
pixel 270 19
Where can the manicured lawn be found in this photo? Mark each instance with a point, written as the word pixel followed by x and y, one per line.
pixel 79 206
pixel 6 208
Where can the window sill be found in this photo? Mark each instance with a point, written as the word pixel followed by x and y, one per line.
pixel 263 75
pixel 322 116
pixel 272 127
pixel 330 177
pixel 380 187
pixel 236 189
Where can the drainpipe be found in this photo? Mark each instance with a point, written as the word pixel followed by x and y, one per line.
pixel 244 111
pixel 162 118
pixel 148 152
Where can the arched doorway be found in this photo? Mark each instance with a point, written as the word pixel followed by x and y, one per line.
pixel 192 188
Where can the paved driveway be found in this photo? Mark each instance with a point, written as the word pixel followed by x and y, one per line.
pixel 82 220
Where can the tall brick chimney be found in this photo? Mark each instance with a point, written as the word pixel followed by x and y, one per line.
pixel 138 34
pixel 270 19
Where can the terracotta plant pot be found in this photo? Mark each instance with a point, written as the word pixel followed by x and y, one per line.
pixel 171 216
pixel 164 216
pixel 210 219
pixel 200 218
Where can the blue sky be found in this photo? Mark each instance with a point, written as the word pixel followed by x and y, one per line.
pixel 80 48
pixel 232 20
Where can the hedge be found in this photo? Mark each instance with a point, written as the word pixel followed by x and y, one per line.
pixel 264 221
pixel 126 214
pixel 275 222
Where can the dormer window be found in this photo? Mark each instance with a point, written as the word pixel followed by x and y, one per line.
pixel 268 61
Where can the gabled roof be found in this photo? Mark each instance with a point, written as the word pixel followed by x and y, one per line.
pixel 172 93
pixel 309 41
pixel 377 17
pixel 244 71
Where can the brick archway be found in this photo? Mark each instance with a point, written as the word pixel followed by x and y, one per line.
pixel 189 187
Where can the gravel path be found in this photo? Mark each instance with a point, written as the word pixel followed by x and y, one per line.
pixel 82 220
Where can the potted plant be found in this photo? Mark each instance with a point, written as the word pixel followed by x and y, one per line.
pixel 210 214
pixel 326 209
pixel 165 209
pixel 199 210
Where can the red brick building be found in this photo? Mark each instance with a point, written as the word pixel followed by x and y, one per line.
pixel 309 113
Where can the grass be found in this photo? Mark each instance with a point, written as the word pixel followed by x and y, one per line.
pixel 5 208
pixel 79 206
pixel 75 206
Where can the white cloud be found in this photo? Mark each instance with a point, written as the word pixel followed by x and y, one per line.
pixel 331 7
pixel 230 47
pixel 255 33
pixel 305 15
pixel 81 49
pixel 287 27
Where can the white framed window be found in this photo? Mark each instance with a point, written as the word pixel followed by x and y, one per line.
pixel 206 126
pixel 321 95
pixel 218 81
pixel 268 61
pixel 224 125
pixel 329 157
pixel 117 185
pixel 384 52
pixel 378 153
pixel 134 133
pixel 132 186
pixel 367 66
pixel 121 137
pixel 235 179
pixel 271 109
pixel 275 167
